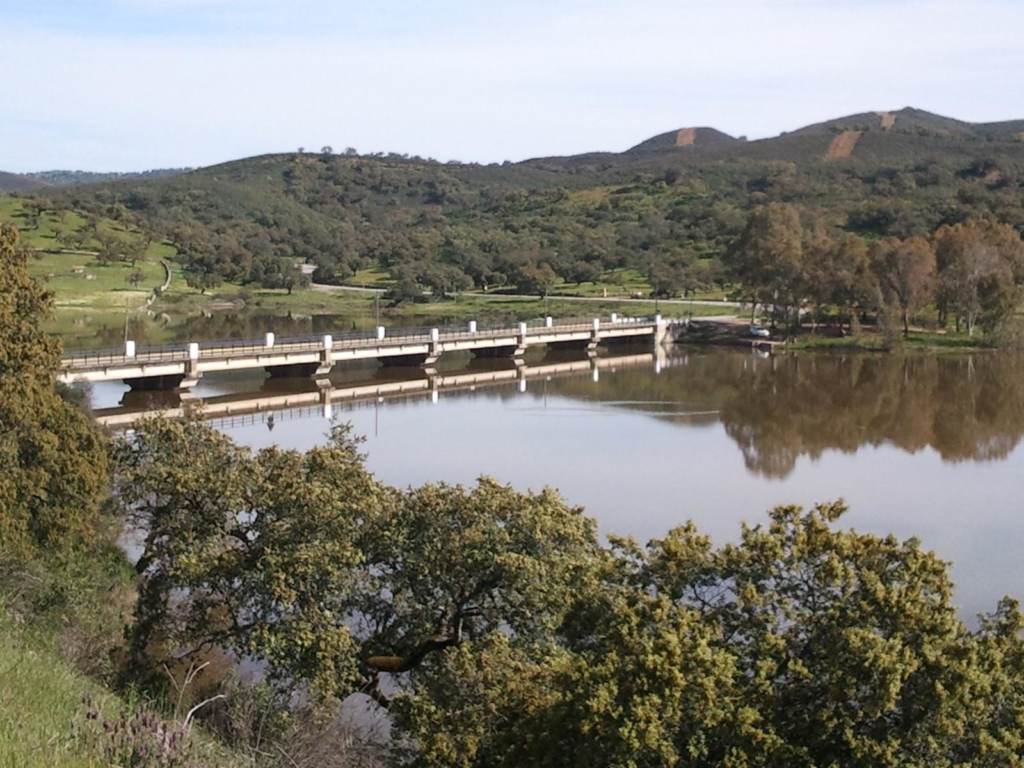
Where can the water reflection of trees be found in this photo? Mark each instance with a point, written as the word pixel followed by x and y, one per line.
pixel 963 406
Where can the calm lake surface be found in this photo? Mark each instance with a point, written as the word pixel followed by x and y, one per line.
pixel 919 445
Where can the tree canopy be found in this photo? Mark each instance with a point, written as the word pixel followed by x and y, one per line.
pixel 53 457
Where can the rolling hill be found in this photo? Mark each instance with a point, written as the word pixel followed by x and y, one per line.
pixel 675 199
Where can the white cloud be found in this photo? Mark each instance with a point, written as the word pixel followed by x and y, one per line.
pixel 489 86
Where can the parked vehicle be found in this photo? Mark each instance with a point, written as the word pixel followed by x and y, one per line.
pixel 759 331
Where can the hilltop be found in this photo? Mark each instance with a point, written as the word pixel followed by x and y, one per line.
pixel 686 138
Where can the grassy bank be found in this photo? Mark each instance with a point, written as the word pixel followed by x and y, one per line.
pixel 45 707
pixel 875 342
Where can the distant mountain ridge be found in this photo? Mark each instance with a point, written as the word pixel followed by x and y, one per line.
pixel 898 136
pixel 881 137
pixel 27 182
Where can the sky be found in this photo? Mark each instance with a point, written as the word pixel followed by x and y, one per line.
pixel 125 85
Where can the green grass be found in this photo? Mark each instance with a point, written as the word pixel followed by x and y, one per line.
pixel 40 700
pixel 78 281
pixel 42 714
pixel 877 343
pixel 81 285
pixel 373 277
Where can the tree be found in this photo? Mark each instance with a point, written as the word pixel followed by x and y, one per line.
pixel 906 274
pixel 33 209
pixel 980 272
pixel 201 270
pixel 111 248
pixel 535 278
pixel 800 645
pixel 135 278
pixel 327 149
pixel 260 546
pixel 405 288
pixel 73 239
pixel 202 278
pixel 53 458
pixel 581 272
pixel 768 260
pixel 306 563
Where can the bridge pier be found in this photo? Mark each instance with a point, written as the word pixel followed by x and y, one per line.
pixel 168 383
pixel 500 352
pixel 299 370
pixel 406 361
pixel 582 345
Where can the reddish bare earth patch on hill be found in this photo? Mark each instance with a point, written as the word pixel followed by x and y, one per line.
pixel 888 120
pixel 843 144
pixel 686 137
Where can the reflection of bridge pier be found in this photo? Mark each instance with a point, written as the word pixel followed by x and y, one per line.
pixel 306 397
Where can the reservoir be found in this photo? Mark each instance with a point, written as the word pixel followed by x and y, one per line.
pixel 924 445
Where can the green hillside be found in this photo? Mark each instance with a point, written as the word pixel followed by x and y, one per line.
pixel 664 210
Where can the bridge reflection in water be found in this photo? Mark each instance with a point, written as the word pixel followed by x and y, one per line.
pixel 291 398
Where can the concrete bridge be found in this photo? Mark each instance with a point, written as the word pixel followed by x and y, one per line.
pixel 312 400
pixel 180 366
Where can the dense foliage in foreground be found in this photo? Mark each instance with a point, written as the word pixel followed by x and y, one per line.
pixel 493 627
pixel 508 635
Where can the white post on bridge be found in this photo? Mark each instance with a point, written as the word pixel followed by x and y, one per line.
pixel 328 342
pixel 435 335
pixel 548 321
pixel 660 331
pixel 615 317
pixel 522 329
pixel 268 340
pixel 472 326
pixel 597 324
pixel 193 351
pixel 129 348
pixel 380 333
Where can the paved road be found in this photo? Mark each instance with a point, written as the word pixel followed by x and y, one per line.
pixel 529 297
